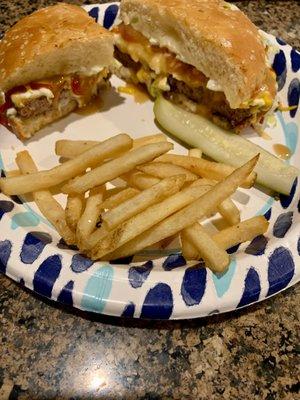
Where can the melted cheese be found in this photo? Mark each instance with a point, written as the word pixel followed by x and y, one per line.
pixel 20 99
pixel 159 60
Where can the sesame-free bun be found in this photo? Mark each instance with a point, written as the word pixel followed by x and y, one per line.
pixel 212 35
pixel 60 39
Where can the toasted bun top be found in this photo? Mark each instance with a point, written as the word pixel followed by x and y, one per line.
pixel 60 39
pixel 212 35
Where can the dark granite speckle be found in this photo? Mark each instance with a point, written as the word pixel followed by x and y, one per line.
pixel 49 351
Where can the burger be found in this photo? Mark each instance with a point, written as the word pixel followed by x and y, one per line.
pixel 205 55
pixel 51 62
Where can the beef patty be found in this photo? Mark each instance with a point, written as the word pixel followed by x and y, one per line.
pixel 214 101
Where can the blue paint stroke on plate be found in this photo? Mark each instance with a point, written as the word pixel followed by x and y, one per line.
pixel 110 15
pixel 94 13
pixel 23 219
pixel 266 207
pixel 295 60
pixel 128 311
pixel 5 251
pixel 194 284
pixel 252 288
pixel 173 261
pixel 46 275
pixel 268 214
pixel 280 270
pixel 298 246
pixel 6 206
pixel 281 42
pixel 279 66
pixel 138 275
pixel 282 224
pixel 222 281
pixel 285 200
pixel 80 263
pixel 97 289
pixel 257 247
pixel 158 303
pixel 233 249
pixel 290 131
pixel 65 296
pixel 293 96
pixel 33 245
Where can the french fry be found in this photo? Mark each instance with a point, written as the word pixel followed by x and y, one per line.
pixel 69 169
pixel 139 180
pixel 242 232
pixel 245 231
pixel 74 208
pixel 206 169
pixel 158 137
pixel 114 168
pixel 104 242
pixel 89 218
pixel 195 153
pixel 12 173
pixel 214 256
pixel 73 148
pixel 189 252
pixel 165 170
pixel 48 206
pixel 141 201
pixel 112 191
pixel 229 211
pixel 186 216
pixel 119 197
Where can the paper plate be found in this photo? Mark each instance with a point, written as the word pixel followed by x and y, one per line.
pixel 154 284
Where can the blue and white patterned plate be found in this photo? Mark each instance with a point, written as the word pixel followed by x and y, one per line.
pixel 162 286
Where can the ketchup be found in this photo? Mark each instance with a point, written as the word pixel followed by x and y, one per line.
pixel 76 85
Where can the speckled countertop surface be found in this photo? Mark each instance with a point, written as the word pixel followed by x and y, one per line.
pixel 50 352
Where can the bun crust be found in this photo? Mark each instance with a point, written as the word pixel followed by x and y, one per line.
pixel 60 39
pixel 212 35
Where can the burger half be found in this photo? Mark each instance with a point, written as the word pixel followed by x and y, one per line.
pixel 51 62
pixel 203 54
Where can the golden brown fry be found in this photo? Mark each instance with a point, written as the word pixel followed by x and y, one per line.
pixel 186 216
pixel 69 169
pixel 229 211
pixel 73 148
pixel 164 170
pixel 205 168
pixel 214 256
pixel 87 223
pixel 74 209
pixel 104 242
pixel 195 153
pixel 139 180
pixel 119 197
pixel 48 206
pixel 114 168
pixel 12 173
pixel 159 137
pixel 189 252
pixel 245 231
pixel 242 232
pixel 141 201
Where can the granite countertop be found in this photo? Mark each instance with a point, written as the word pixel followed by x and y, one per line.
pixel 51 352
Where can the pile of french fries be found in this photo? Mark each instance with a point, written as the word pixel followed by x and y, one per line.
pixel 163 195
